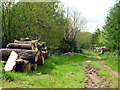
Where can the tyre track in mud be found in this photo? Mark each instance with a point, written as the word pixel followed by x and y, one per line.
pixel 93 79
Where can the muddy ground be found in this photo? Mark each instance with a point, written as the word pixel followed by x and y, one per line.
pixel 93 79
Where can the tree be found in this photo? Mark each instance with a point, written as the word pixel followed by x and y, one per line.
pixel 6 22
pixel 75 23
pixel 112 27
pixel 102 38
pixel 83 39
pixel 95 37
pixel 34 20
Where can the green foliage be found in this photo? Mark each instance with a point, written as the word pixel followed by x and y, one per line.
pixel 95 37
pixel 34 20
pixel 83 39
pixel 8 76
pixel 44 20
pixel 68 45
pixel 112 27
pixel 109 36
pixel 102 38
pixel 111 59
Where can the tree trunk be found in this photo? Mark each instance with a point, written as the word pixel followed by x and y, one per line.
pixel 19 46
pixel 30 55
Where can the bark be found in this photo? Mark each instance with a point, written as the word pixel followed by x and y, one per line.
pixel 30 55
pixel 25 42
pixel 23 67
pixel 19 46
pixel 40 60
pixel 34 67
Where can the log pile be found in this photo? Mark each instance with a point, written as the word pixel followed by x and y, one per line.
pixel 24 55
pixel 99 49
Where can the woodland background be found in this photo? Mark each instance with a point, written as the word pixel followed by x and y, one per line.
pixel 62 29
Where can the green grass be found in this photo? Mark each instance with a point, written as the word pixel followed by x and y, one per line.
pixel 93 58
pixel 111 59
pixel 57 72
pixel 106 74
pixel 1 74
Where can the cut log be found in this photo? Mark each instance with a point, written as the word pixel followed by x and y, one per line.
pixel 34 67
pixel 19 61
pixel 30 55
pixel 37 55
pixel 44 48
pixel 36 48
pixel 42 44
pixel 22 39
pixel 40 60
pixel 23 67
pixel 11 61
pixel 25 42
pixel 27 39
pixel 36 44
pixel 45 53
pixel 33 48
pixel 16 41
pixel 19 46
pixel 26 66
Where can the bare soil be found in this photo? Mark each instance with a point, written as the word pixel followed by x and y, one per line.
pixel 93 79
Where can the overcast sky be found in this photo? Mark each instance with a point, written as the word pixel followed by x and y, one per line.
pixel 95 11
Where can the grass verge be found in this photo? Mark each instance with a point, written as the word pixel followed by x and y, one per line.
pixel 106 75
pixel 57 72
pixel 111 59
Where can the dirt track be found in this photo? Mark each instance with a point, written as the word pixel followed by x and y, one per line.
pixel 105 65
pixel 93 79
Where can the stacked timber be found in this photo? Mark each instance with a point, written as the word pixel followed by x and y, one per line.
pixel 24 55
pixel 99 49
